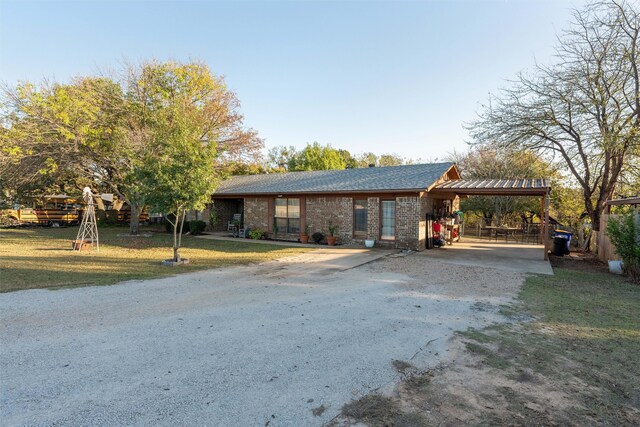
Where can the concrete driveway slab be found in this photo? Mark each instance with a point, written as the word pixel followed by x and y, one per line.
pixel 516 257
pixel 244 346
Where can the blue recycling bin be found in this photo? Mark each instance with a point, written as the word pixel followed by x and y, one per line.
pixel 564 235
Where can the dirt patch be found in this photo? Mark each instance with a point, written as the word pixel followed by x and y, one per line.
pixel 579 261
pixel 569 354
pixel 476 390
pixel 318 411
pixel 375 410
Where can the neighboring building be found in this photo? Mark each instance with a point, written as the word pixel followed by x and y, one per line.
pixel 388 204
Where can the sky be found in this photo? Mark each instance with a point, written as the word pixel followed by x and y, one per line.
pixel 383 76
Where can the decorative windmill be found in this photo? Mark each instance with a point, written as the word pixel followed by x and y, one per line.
pixel 88 232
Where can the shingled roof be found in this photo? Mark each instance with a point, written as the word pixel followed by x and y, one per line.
pixel 390 178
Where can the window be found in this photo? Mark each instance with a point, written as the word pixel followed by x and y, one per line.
pixel 360 216
pixel 287 217
pixel 388 220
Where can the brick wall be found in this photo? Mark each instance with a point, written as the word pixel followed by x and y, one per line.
pixel 323 210
pixel 320 211
pixel 407 222
pixel 256 213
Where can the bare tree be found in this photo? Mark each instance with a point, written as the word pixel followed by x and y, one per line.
pixel 584 109
pixel 488 162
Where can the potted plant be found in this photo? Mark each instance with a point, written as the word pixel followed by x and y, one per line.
pixel 331 238
pixel 369 243
pixel 317 237
pixel 304 237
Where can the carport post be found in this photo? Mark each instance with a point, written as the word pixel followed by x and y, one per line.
pixel 542 221
pixel 545 227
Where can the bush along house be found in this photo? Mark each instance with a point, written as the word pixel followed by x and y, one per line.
pixel 385 204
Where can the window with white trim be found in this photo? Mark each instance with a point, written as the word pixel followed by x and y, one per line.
pixel 388 220
pixel 287 215
pixel 360 207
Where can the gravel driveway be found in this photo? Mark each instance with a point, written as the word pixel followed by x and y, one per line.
pixel 243 346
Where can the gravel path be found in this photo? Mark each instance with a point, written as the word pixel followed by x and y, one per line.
pixel 243 346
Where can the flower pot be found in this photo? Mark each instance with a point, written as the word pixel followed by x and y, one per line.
pixel 80 245
pixel 304 238
pixel 369 243
pixel 331 240
pixel 615 267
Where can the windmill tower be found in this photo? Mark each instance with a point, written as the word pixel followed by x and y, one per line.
pixel 88 231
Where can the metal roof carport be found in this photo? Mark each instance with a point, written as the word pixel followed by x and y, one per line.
pixel 503 187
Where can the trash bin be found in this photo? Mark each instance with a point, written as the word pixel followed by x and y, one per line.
pixel 560 245
pixel 429 243
pixel 567 235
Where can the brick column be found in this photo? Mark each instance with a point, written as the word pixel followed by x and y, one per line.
pixel 373 218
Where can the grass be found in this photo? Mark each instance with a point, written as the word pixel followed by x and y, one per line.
pixel 586 327
pixel 42 257
pixel 375 410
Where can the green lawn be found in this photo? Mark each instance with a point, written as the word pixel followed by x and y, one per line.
pixel 42 257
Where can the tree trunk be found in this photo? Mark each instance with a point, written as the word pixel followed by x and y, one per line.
pixel 134 221
pixel 177 234
pixel 176 247
pixel 184 214
pixel 101 212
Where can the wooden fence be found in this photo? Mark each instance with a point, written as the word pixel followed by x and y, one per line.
pixel 606 251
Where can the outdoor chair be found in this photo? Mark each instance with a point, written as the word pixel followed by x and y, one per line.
pixel 241 232
pixel 235 222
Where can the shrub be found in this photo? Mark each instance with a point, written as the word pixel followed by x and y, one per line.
pixel 257 234
pixel 333 229
pixel 317 237
pixel 169 227
pixel 214 218
pixel 197 227
pixel 625 236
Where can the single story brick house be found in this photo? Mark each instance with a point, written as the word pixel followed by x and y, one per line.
pixel 388 204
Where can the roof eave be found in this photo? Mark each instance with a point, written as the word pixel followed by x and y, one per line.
pixel 538 191
pixel 272 193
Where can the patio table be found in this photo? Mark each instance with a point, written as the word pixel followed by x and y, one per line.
pixel 506 230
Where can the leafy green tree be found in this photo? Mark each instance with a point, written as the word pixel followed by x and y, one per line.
pixel 317 157
pixel 349 161
pixel 584 109
pixel 164 99
pixel 56 136
pixel 178 172
pixel 98 131
pixel 278 158
pixel 179 177
pixel 390 160
pixel 365 159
